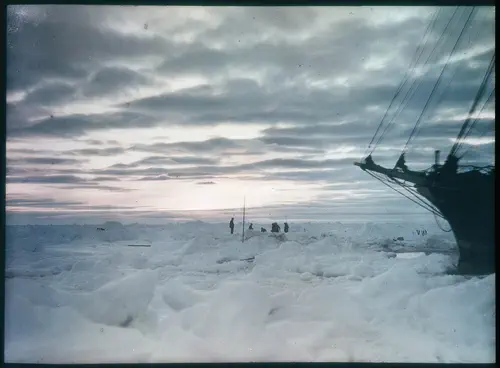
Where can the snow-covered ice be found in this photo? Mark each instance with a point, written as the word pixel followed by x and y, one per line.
pixel 322 292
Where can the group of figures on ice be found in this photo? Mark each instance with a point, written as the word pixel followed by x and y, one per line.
pixel 275 228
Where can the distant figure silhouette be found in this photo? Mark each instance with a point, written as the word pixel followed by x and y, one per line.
pixel 231 224
pixel 250 227
pixel 286 227
pixel 262 230
pixel 275 227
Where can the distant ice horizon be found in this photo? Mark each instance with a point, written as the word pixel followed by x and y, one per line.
pixel 65 219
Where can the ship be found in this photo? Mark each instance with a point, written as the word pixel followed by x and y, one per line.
pixel 463 195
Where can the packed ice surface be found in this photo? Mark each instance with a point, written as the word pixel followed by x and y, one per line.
pixel 322 292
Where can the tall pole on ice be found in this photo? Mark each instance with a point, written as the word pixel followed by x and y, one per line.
pixel 243 234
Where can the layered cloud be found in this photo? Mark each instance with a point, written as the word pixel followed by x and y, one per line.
pixel 114 106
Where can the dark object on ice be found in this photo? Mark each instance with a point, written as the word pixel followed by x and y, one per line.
pixel 286 227
pixel 275 228
pixel 249 259
pixel 422 232
pixel 250 227
pixel 101 229
pixel 462 194
pixel 262 230
pixel 400 238
pixel 140 245
pixel 127 321
pixel 231 225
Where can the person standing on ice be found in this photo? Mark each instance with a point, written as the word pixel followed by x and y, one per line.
pixel 286 227
pixel 275 227
pixel 250 227
pixel 231 224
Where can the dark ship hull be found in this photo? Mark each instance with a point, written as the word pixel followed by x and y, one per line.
pixel 466 201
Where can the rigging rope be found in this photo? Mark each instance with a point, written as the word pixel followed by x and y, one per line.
pixel 427 205
pixel 437 223
pixel 411 91
pixel 382 181
pixel 446 88
pixel 460 145
pixel 479 94
pixel 435 212
pixel 438 81
pixel 412 65
pixel 440 99
pixel 467 127
pixel 478 116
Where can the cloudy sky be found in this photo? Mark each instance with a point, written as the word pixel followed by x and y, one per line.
pixel 154 113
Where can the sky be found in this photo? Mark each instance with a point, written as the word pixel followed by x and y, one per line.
pixel 153 114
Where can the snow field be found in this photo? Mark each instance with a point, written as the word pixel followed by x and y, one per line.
pixel 323 292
